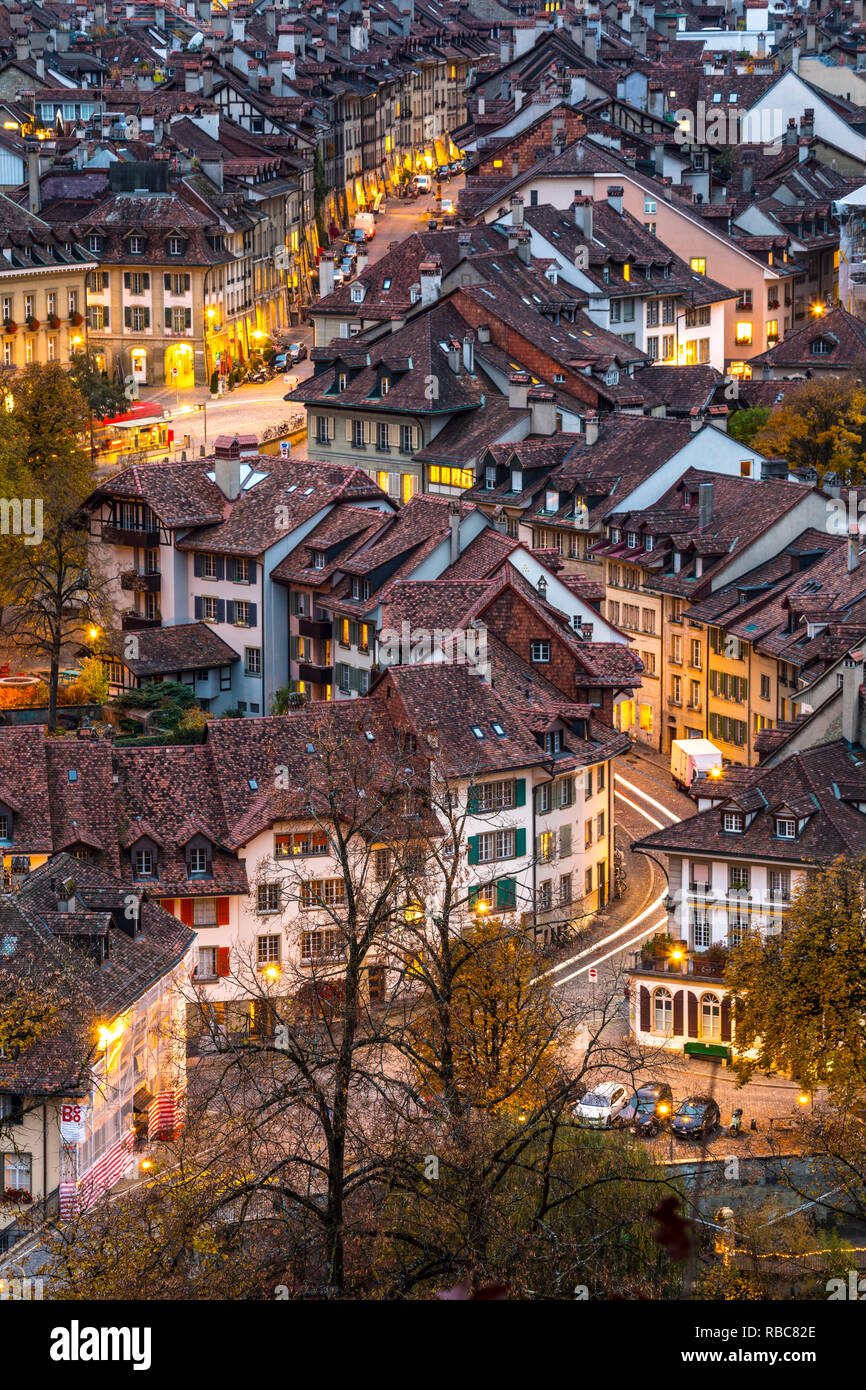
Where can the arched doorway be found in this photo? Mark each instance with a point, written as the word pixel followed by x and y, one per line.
pixel 179 370
pixel 139 365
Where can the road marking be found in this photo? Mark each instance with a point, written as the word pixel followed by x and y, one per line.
pixel 605 941
pixel 646 796
pixel 662 922
pixel 659 824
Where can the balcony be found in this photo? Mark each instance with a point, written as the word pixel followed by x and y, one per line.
pixel 315 627
pixel 137 622
pixel 141 582
pixel 316 675
pixel 709 965
pixel 148 538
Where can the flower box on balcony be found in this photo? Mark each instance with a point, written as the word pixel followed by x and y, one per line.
pixel 32 324
pixel 16 1197
pixel 10 326
pixel 53 321
pixel 76 320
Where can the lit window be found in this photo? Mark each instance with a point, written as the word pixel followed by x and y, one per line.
pixel 743 333
pixel 698 265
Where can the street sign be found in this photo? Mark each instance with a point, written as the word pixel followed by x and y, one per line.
pixel 592 973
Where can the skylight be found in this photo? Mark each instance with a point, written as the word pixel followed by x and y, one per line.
pixel 252 784
pixel 477 730
pixel 72 775
pixel 497 729
pixel 369 735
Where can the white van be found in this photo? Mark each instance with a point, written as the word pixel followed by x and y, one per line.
pixel 423 182
pixel 365 222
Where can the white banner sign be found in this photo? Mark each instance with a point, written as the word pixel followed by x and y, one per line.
pixel 73 1121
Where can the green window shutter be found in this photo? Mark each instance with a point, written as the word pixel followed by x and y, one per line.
pixel 188 317
pixel 554 797
pixel 519 842
pixel 520 791
pixel 168 318
pixel 506 893
pixel 472 801
pixel 473 849
pixel 564 841
pixel 473 894
pixel 166 280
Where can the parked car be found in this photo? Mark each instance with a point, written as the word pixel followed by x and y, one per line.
pixel 347 265
pixel 600 1107
pixel 696 1118
pixel 297 352
pixel 423 183
pixel 650 1107
pixel 456 167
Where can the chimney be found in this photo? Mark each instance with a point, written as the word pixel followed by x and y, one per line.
pixel 454 353
pixel 791 132
pixel 524 245
pixel 469 351
pixel 795 58
pixel 454 526
pixel 227 474
pixel 748 173
pixel 852 679
pixel 582 208
pixel 430 275
pixel 853 547
pixel 614 197
pixel 207 79
pixel 35 192
pixel 591 427
pixel 326 274
pixel 590 46
pixel 542 408
pixel 517 211
pixel 807 122
pixel 706 499
pixel 518 389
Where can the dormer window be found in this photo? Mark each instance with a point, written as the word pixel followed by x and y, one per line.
pixel 175 245
pixel 342 381
pixel 631 539
pixel 384 385
pixel 490 479
pixel 786 828
pixel 733 822
pixel 143 863
pixel 357 294
pixel 517 480
pixel 551 501
pixel 5 828
pixel 386 283
pixel 318 559
pixel 553 741
pixel 135 245
pixel 648 543
pixel 94 243
pixel 198 860
pixel 614 535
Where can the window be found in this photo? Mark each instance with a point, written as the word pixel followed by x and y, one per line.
pixel 268 898
pixel 498 844
pixel 198 861
pixel 143 863
pixel 744 300
pixel 206 963
pixel 711 1017
pixel 599 826
pixel 587 837
pixel 743 333
pixel 175 245
pixel 663 1012
pixel 545 896
pixel 17 1172
pixel 301 842
pixel 252 661
pixel 135 245
pixel 406 439
pixel 209 609
pixel 139 319
pixel 667 345
pixel 539 651
pixel 698 265
pixel 732 822
pixel 553 741
pixel 765 687
pixel 4 827
pixel 323 892
pixel 321 945
pixel 649 207
pixel 779 881
pixel 493 796
pixel 566 792
pixel 383 436
pixel 786 828
pixel 204 912
pixel 267 950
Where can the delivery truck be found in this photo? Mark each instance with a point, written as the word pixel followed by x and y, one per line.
pixel 691 757
pixel 365 222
